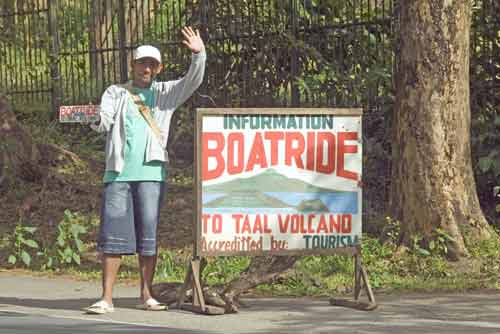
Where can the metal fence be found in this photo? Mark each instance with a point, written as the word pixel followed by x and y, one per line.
pixel 261 52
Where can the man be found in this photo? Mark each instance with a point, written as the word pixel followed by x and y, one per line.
pixel 136 118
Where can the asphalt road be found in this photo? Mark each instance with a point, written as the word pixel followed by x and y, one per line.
pixel 53 305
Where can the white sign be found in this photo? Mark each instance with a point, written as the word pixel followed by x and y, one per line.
pixel 277 183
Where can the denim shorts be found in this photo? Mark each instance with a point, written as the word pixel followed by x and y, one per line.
pixel 130 213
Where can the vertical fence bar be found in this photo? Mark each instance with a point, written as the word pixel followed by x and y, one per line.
pixel 122 41
pixel 56 90
pixel 295 57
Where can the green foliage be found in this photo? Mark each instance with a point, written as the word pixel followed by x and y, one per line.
pixel 489 161
pixel 486 153
pixel 22 246
pixel 220 270
pixel 68 248
pixel 496 194
pixel 69 245
pixel 169 267
pixel 183 180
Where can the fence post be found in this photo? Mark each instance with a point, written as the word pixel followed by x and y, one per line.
pixel 295 57
pixel 56 88
pixel 122 28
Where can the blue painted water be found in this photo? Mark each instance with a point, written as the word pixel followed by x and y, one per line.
pixel 338 202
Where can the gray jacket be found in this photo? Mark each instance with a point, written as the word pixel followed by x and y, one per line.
pixel 169 96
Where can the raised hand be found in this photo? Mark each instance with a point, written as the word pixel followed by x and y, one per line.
pixel 192 39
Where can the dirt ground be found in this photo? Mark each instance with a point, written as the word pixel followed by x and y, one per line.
pixel 79 190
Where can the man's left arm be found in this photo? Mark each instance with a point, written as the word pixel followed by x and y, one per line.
pixel 178 91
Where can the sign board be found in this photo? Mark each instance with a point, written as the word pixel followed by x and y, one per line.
pixel 79 114
pixel 278 181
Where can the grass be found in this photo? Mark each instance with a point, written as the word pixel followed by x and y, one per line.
pixel 325 275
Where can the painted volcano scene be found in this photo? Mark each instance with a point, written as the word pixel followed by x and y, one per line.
pixel 272 192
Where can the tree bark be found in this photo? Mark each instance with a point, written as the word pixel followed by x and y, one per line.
pixel 100 38
pixel 433 184
pixel 20 156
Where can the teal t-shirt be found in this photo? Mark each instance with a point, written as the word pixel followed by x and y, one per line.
pixel 135 168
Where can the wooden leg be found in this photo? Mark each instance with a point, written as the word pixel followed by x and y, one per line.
pixel 198 299
pixel 357 276
pixel 181 296
pixel 360 277
pixel 193 280
pixel 367 285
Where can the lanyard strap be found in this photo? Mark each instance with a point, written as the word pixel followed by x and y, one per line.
pixel 145 112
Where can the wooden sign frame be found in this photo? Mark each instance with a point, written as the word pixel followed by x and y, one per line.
pixel 193 275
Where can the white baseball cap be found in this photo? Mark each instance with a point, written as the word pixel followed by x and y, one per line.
pixel 150 51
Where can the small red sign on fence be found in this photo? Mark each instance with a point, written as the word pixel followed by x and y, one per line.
pixel 79 114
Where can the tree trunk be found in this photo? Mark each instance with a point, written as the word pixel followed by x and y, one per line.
pixel 100 38
pixel 8 8
pixel 19 155
pixel 433 183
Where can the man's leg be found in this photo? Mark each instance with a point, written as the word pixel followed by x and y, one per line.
pixel 147 266
pixel 149 198
pixel 110 267
pixel 116 234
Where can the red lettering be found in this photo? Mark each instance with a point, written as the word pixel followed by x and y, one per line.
pixel 344 149
pixel 257 226
pixel 346 223
pixel 257 153
pixel 216 153
pixel 246 225
pixel 266 228
pixel 334 225
pixel 283 224
pixel 237 219
pixel 311 144
pixel 294 152
pixel 274 137
pixel 217 224
pixel 322 225
pixel 204 220
pixel 309 223
pixel 235 166
pixel 295 224
pixel 329 138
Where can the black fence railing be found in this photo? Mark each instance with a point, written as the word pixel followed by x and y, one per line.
pixel 261 52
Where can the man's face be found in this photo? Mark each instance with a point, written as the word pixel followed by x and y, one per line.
pixel 145 70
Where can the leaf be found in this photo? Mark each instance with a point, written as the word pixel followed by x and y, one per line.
pixel 485 164
pixel 68 251
pixel 423 252
pixel 30 229
pixel 76 229
pixel 12 259
pixel 31 243
pixel 68 216
pixel 432 245
pixel 497 208
pixel 79 245
pixel 497 120
pixel 60 240
pixel 76 258
pixel 26 258
pixel 496 166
